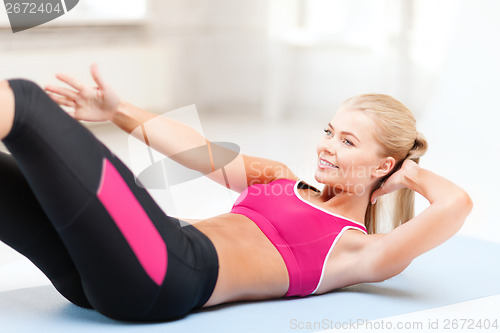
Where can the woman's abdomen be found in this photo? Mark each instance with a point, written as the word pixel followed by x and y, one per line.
pixel 250 267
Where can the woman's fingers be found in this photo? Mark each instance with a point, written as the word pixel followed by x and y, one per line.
pixel 94 71
pixel 70 81
pixel 65 92
pixel 377 193
pixel 62 100
pixel 393 183
pixel 383 190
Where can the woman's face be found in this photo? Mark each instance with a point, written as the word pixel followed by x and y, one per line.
pixel 349 144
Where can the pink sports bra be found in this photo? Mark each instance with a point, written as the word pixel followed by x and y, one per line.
pixel 303 233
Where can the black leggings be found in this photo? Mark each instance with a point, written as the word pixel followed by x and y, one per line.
pixel 74 209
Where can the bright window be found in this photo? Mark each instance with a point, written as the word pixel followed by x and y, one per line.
pixel 92 12
pixel 108 11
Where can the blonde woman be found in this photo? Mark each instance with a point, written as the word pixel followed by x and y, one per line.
pixel 75 210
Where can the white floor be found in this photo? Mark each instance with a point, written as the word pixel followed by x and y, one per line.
pixel 294 142
pixel 477 315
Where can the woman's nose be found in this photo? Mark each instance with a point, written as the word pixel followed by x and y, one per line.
pixel 330 146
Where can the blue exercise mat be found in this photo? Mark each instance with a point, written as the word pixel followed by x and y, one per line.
pixel 461 269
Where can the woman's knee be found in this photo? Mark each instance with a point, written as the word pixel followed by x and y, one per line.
pixel 27 97
pixel 4 84
pixel 6 108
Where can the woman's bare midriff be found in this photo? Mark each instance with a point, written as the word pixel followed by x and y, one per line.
pixel 250 267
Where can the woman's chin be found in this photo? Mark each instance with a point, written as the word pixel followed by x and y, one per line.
pixel 322 178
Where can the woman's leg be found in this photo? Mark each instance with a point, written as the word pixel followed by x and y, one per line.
pixel 136 263
pixel 25 227
pixel 7 105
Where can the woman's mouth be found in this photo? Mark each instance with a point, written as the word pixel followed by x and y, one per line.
pixel 326 165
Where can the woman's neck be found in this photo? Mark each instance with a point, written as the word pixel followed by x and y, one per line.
pixel 350 205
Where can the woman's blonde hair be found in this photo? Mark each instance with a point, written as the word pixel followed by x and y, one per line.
pixel 398 137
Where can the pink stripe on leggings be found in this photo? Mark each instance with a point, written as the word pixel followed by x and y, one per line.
pixel 133 222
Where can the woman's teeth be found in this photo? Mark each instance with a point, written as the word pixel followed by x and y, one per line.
pixel 322 162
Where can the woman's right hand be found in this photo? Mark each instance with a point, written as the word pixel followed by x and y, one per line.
pixel 88 103
pixel 396 181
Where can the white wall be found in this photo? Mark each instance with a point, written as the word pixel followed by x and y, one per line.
pixel 241 57
pixel 463 118
pixel 137 73
pixel 221 55
pixel 209 53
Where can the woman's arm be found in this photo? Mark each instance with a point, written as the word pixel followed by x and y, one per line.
pixel 391 253
pixel 165 135
pixel 176 140
pixel 173 139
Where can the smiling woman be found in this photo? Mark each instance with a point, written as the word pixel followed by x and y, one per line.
pixel 375 133
pixel 107 245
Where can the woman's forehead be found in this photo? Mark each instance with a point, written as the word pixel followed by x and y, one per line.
pixel 357 122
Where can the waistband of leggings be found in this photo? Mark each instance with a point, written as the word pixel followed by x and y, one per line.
pixel 208 261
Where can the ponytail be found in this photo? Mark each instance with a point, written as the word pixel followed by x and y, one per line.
pixel 403 200
pixel 419 148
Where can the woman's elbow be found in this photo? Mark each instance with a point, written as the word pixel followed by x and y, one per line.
pixel 458 210
pixel 464 202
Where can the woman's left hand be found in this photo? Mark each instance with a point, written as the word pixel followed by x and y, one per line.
pixel 97 103
pixel 395 181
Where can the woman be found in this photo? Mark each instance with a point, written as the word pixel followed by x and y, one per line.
pixel 75 210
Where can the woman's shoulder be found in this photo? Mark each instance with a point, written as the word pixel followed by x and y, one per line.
pixel 285 173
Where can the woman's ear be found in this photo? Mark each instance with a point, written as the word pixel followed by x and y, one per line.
pixel 385 166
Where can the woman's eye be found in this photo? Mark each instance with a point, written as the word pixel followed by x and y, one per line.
pixel 328 132
pixel 348 142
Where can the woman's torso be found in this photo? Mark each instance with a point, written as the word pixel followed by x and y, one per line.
pixel 252 268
